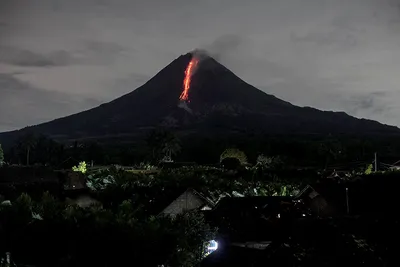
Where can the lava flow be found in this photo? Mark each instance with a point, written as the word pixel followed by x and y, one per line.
pixel 188 77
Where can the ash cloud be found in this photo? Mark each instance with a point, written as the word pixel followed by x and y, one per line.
pixel 224 49
pixel 200 54
pixel 221 49
pixel 223 46
pixel 184 105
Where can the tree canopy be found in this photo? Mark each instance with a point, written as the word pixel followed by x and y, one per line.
pixel 162 144
pixel 100 236
pixel 234 153
pixel 1 155
pixel 80 168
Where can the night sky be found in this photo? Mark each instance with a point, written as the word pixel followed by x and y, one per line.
pixel 59 57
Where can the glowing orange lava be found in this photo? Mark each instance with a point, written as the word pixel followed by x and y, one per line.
pixel 188 76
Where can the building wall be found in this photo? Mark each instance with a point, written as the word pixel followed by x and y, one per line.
pixel 317 203
pixel 74 181
pixel 320 207
pixel 186 201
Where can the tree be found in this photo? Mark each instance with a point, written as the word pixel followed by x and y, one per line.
pixel 162 143
pixel 331 150
pixel 234 153
pixel 47 151
pixel 25 144
pixel 265 162
pixel 80 168
pixel 170 145
pixel 94 152
pixel 1 156
pixel 49 208
pixel 368 170
pixel 153 141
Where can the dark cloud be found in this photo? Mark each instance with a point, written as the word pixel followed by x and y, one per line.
pixel 92 52
pixel 103 47
pixel 23 104
pixel 334 37
pixel 8 82
pixel 26 58
pixel 372 103
pixel 127 84
pixel 330 54
pixel 101 52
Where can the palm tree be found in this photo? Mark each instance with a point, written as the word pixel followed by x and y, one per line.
pixel 27 143
pixel 163 142
pixel 171 146
pixel 1 156
pixel 153 142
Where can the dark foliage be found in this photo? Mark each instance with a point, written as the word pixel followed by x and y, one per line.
pixel 96 236
pixel 1 155
pixel 345 152
pixel 231 163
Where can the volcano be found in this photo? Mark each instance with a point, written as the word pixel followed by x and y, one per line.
pixel 217 101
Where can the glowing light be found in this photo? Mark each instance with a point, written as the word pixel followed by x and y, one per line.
pixel 211 247
pixel 187 80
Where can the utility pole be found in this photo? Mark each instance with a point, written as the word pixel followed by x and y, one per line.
pixel 347 200
pixel 376 162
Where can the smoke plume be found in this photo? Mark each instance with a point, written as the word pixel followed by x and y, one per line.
pixel 223 47
pixel 184 105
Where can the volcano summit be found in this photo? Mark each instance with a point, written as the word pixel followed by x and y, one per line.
pixel 211 99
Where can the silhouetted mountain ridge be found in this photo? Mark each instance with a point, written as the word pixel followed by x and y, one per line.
pixel 219 101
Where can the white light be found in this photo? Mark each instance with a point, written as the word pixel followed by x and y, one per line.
pixel 279 215
pixel 213 246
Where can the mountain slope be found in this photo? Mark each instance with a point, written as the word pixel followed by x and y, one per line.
pixel 219 101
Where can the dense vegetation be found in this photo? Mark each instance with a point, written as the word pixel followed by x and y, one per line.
pixel 72 236
pixel 126 226
pixel 162 144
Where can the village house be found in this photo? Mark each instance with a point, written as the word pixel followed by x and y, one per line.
pixel 395 166
pixel 339 175
pixel 76 191
pixel 188 200
pixel 73 180
pixel 314 201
